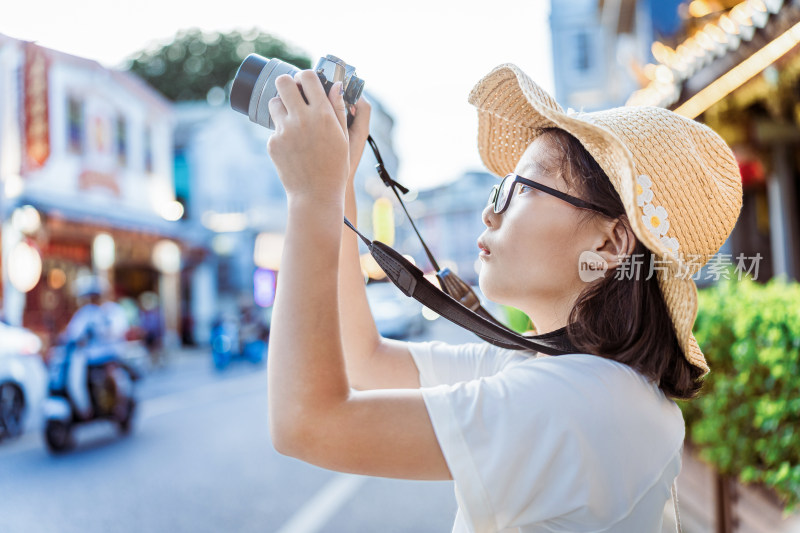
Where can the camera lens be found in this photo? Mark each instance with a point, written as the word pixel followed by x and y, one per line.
pixel 254 86
pixel 245 82
pixel 354 89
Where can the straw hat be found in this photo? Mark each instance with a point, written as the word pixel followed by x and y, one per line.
pixel 678 180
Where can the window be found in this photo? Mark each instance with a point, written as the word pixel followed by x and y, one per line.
pixel 181 173
pixel 148 149
pixel 582 52
pixel 226 274
pixel 122 141
pixel 75 125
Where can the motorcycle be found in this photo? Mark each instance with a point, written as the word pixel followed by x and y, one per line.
pixel 88 382
pixel 232 339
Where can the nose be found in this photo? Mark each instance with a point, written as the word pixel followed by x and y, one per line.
pixel 488 216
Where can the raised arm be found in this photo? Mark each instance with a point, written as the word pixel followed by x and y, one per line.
pixel 313 413
pixel 372 362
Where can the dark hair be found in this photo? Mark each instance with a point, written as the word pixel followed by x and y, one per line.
pixel 624 319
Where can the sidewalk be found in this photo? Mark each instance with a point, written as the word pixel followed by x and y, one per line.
pixel 696 485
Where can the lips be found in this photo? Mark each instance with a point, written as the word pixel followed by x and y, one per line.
pixel 483 248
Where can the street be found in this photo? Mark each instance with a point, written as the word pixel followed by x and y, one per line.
pixel 200 459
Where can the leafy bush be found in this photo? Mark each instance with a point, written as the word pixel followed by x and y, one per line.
pixel 746 420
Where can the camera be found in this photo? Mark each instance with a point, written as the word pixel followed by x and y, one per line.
pixel 254 84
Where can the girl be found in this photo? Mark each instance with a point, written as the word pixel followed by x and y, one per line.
pixel 588 441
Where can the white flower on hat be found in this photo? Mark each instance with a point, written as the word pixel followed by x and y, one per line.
pixel 655 218
pixel 643 193
pixel 671 243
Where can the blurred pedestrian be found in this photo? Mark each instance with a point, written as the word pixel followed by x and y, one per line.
pixel 152 323
pixel 586 441
pixel 252 326
pixel 130 307
pixel 187 328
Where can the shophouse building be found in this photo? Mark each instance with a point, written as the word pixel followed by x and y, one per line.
pixel 86 164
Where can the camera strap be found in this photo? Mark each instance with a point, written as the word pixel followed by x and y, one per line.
pixel 412 282
pixel 455 301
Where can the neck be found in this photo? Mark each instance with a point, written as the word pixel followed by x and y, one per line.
pixel 550 315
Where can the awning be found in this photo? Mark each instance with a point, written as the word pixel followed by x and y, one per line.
pixel 120 217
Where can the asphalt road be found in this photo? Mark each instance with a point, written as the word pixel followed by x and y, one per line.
pixel 200 460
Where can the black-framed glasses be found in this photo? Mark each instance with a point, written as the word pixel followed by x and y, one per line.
pixel 500 196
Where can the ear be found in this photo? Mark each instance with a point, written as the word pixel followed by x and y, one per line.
pixel 615 241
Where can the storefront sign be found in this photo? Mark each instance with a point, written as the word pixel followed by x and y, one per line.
pixel 264 282
pixel 90 179
pixel 36 110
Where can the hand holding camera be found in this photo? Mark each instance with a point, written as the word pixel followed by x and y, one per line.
pixel 254 84
pixel 310 145
pixel 304 144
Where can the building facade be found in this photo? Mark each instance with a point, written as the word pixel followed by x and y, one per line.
pixel 86 165
pixel 736 67
pixel 600 48
pixel 731 64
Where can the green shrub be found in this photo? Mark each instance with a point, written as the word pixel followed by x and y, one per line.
pixel 746 420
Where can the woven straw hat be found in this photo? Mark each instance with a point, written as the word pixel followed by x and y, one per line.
pixel 678 180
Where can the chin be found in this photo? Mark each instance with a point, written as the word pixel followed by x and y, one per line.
pixel 482 283
pixel 490 290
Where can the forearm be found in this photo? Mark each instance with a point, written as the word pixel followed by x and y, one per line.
pixel 360 337
pixel 305 366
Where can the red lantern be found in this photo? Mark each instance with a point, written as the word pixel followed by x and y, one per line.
pixel 752 172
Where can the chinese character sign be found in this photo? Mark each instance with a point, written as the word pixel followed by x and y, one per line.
pixel 36 111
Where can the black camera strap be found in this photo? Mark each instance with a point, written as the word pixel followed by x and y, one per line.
pixel 412 282
pixel 455 301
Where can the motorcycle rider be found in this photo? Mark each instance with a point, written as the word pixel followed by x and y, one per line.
pixel 92 338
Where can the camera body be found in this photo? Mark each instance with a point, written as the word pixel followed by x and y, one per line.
pixel 254 84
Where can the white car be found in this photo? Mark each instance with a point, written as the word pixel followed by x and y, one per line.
pixel 395 314
pixel 23 378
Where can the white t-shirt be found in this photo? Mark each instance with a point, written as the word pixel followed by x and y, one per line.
pixel 571 443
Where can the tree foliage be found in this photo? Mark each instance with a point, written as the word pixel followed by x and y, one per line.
pixel 195 62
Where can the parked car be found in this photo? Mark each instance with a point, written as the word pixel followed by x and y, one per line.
pixel 23 378
pixel 396 315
